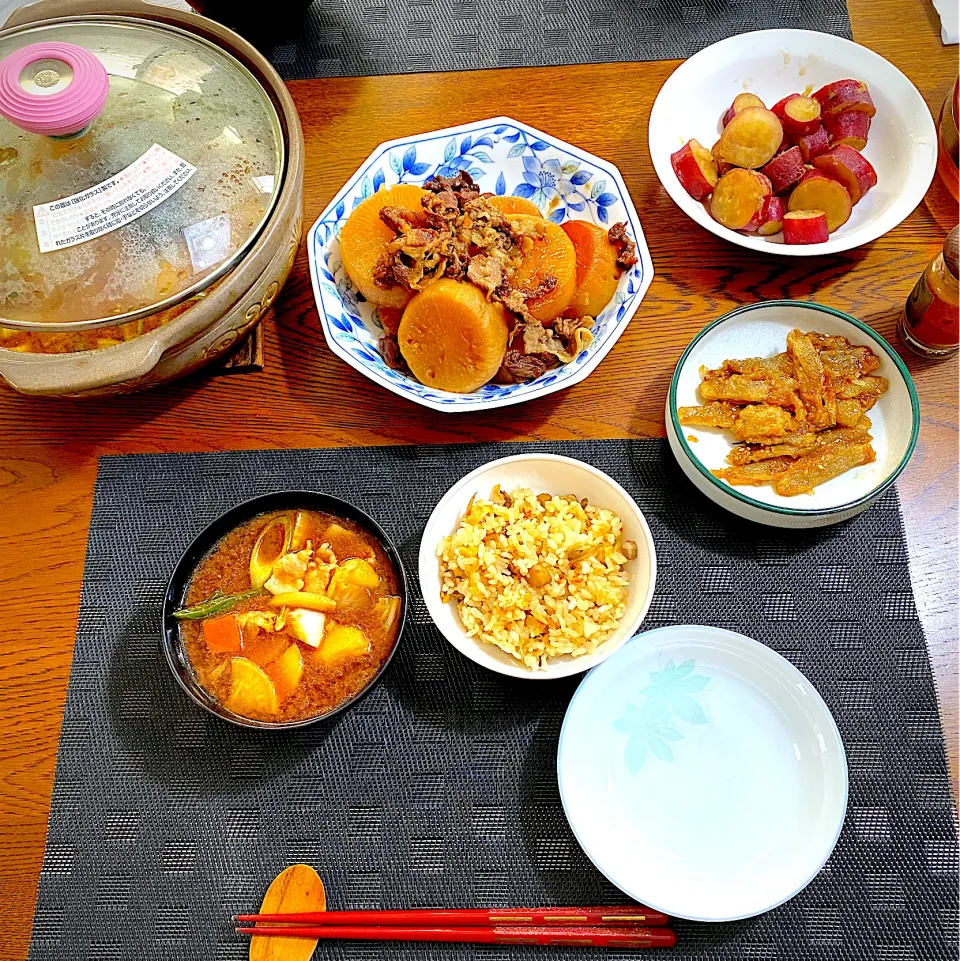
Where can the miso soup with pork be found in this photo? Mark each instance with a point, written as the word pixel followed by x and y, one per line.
pixel 290 615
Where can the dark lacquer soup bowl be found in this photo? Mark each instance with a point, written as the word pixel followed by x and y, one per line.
pixel 285 610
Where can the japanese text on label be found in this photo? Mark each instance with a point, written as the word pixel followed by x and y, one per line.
pixel 119 200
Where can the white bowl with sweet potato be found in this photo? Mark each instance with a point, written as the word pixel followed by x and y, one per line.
pixel 792 142
pixel 791 414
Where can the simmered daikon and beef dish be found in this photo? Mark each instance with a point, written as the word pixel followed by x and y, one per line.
pixel 290 615
pixel 471 287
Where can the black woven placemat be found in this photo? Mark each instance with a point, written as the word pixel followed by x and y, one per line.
pixel 439 789
pixel 366 37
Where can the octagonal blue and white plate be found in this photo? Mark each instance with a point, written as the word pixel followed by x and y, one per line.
pixel 504 157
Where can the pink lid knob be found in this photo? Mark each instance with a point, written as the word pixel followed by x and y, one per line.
pixel 53 88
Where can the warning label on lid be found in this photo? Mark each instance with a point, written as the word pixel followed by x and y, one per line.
pixel 119 200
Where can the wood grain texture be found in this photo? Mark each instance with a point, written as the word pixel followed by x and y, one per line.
pixel 306 397
pixel 296 889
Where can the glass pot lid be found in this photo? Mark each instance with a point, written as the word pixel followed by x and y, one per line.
pixel 138 163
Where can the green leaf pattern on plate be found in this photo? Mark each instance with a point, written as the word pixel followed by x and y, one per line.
pixel 667 700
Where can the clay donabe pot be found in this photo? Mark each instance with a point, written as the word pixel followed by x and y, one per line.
pixel 178 285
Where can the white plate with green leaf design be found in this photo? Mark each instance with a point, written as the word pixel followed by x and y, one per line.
pixel 702 774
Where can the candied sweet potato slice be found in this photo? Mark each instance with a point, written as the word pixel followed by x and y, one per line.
pixel 597 270
pixel 722 165
pixel 695 169
pixel 777 108
pixel 841 95
pixel 751 138
pixel 774 222
pixel 364 238
pixel 821 465
pixel 817 191
pixel 805 227
pixel 552 254
pixel 740 102
pixel 801 116
pixel 849 167
pixel 452 337
pixel 740 199
pixel 813 144
pixel 850 127
pixel 785 170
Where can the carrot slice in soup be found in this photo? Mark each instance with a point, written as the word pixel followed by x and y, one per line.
pixel 222 634
pixel 286 671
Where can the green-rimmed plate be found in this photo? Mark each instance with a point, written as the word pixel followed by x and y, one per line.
pixel 760 330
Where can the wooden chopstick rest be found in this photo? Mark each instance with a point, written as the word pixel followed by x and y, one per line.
pixel 298 889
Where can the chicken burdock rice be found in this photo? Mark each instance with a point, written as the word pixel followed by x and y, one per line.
pixel 537 576
pixel 800 418
pixel 471 287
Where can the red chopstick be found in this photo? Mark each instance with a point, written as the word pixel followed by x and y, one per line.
pixel 474 917
pixel 571 936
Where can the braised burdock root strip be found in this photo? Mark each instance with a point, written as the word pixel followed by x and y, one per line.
pixel 472 287
pixel 290 615
pixel 800 417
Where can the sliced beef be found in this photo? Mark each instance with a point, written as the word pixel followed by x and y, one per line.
pixel 626 248
pixel 462 185
pixel 486 272
pixel 518 367
pixel 390 352
pixel 399 219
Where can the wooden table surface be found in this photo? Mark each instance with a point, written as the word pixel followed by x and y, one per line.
pixel 306 397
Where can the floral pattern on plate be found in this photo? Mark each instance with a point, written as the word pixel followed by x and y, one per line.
pixel 504 157
pixel 652 724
